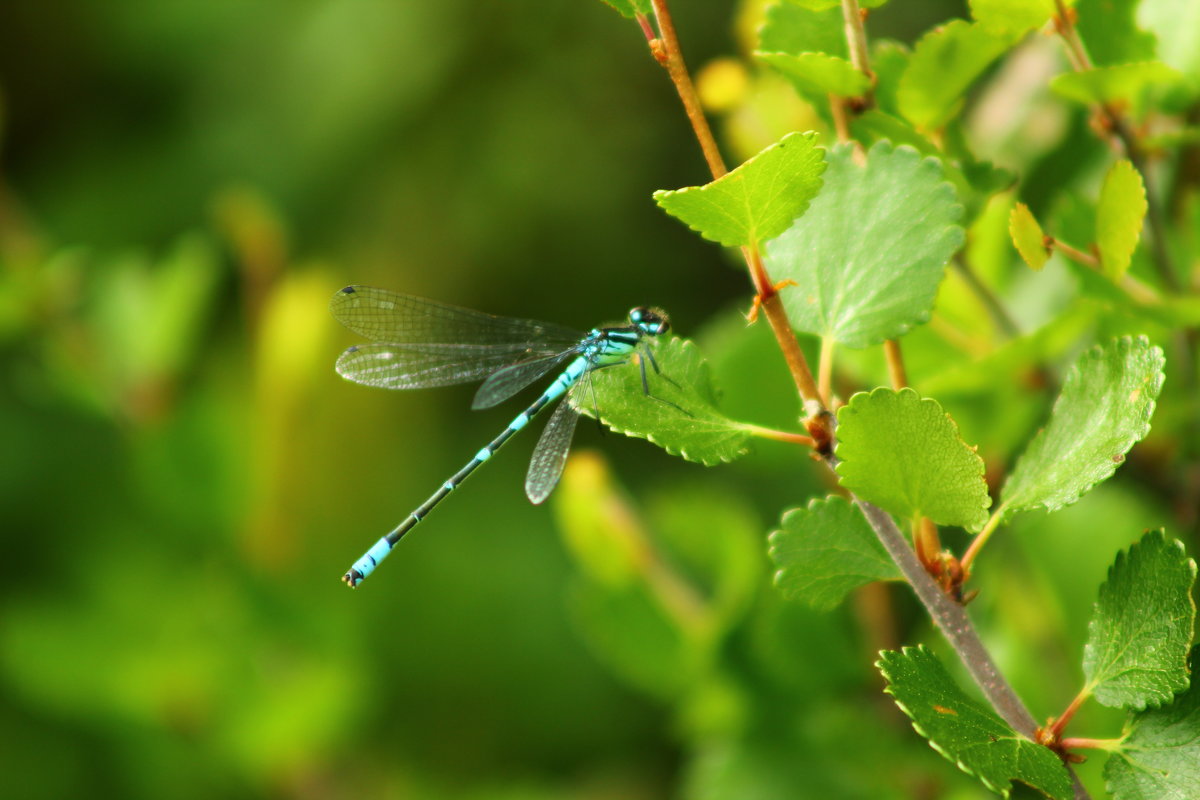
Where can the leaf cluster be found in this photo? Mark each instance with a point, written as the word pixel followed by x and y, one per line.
pixel 1030 387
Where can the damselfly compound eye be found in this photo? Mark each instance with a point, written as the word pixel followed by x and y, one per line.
pixel 651 321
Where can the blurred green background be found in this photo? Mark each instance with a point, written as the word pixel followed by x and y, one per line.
pixel 184 478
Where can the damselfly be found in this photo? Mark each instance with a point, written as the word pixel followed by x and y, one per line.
pixel 419 343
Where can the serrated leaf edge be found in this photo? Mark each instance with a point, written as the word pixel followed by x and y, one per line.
pixel 781 573
pixel 1156 387
pixel 1122 556
pixel 681 452
pixel 658 194
pixel 1109 176
pixel 1003 791
pixel 762 55
pixel 887 147
pixel 1193 658
pixel 953 427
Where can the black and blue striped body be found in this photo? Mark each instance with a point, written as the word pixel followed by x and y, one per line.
pixel 601 347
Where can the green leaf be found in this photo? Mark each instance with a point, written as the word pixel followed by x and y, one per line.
pixel 1011 16
pixel 613 601
pixel 868 255
pixel 944 64
pixel 1159 756
pixel 817 73
pixel 725 565
pixel 904 454
pixel 631 8
pixel 681 414
pixel 1104 409
pixel 790 28
pixel 1027 236
pixel 1111 32
pixel 756 201
pixel 1176 23
pixel 974 181
pixel 600 532
pixel 1138 639
pixel 1126 84
pixel 965 732
pixel 1119 217
pixel 655 598
pixel 889 61
pixel 874 125
pixel 825 550
pixel 629 630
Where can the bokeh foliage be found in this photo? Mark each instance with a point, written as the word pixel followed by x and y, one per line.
pixel 184 478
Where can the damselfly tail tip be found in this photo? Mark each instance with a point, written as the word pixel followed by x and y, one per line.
pixel 352 578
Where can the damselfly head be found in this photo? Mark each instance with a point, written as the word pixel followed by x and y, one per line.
pixel 650 321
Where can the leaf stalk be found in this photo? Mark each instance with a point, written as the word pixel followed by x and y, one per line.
pixel 778 435
pixel 981 539
pixel 895 364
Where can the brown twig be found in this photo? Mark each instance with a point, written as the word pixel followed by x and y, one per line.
pixel 672 60
pixel 669 53
pixel 949 615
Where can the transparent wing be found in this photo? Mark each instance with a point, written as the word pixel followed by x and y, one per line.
pixel 550 456
pixel 421 366
pixel 384 316
pixel 509 380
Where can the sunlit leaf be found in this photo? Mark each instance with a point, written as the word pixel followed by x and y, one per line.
pixel 680 415
pixel 944 64
pixel 1027 236
pixel 869 253
pixel 1138 639
pixel 965 732
pixel 791 28
pixel 1119 217
pixel 1015 16
pixel 819 73
pixel 756 201
pixel 1104 409
pixel 825 550
pixel 903 453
